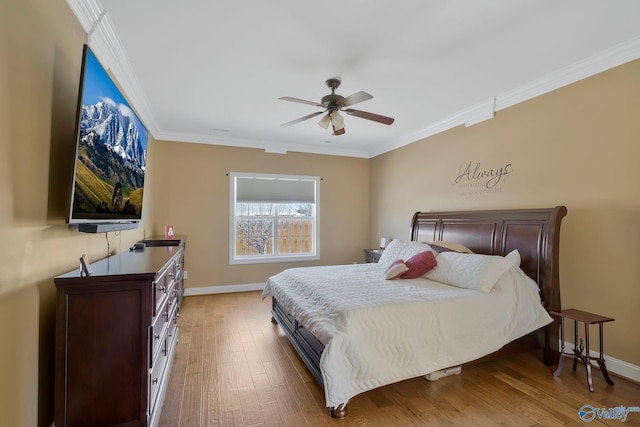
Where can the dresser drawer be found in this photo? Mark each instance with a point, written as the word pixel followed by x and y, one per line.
pixel 177 268
pixel 159 326
pixel 163 286
pixel 157 373
pixel 160 288
pixel 173 321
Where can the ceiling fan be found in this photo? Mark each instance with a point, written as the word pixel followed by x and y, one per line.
pixel 333 104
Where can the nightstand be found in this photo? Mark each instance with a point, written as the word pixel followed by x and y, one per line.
pixel 372 255
pixel 588 319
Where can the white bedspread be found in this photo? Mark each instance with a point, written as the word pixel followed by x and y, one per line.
pixel 378 331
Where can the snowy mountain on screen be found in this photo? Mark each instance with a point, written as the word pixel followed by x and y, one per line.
pixel 116 129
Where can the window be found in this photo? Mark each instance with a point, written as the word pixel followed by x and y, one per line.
pixel 273 218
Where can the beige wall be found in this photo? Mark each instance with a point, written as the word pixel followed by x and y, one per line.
pixel 191 192
pixel 577 146
pixel 41 51
pixel 40 56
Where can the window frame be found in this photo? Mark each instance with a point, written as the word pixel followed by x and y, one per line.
pixel 275 257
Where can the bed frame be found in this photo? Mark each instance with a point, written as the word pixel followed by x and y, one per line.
pixel 535 233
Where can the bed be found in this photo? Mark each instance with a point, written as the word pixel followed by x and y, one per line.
pixel 356 331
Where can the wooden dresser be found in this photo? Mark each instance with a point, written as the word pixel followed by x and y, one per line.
pixel 116 332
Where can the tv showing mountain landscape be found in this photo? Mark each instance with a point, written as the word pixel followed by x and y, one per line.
pixel 111 149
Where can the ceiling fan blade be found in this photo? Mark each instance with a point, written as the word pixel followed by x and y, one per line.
pixel 369 116
pixel 301 101
pixel 302 119
pixel 354 99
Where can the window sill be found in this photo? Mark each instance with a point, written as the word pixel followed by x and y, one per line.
pixel 271 259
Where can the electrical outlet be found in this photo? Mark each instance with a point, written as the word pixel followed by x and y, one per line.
pixel 185 275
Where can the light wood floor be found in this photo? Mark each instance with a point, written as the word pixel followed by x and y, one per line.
pixel 233 367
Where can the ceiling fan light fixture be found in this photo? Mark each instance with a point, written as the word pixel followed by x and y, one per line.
pixel 337 120
pixel 324 122
pixel 332 104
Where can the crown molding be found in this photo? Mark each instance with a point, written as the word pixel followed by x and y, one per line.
pixel 88 12
pixel 104 41
pixel 603 61
pixel 274 147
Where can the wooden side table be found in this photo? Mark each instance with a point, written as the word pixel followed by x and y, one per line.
pixel 588 319
pixel 372 255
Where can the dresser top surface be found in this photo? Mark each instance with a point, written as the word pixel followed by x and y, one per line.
pixel 142 262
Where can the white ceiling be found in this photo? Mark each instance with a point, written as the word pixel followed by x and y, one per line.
pixel 212 71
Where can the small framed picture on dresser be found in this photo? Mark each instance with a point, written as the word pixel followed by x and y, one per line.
pixel 169 233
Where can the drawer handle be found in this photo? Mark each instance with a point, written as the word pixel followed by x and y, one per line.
pixel 155 381
pixel 156 337
pixel 171 275
pixel 163 289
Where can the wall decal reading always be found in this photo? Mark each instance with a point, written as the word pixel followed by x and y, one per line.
pixel 473 179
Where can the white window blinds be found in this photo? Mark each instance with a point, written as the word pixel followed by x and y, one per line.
pixel 268 189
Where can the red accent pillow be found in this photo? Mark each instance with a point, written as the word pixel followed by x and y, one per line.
pixel 419 264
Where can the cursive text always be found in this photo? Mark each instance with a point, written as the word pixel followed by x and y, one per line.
pixel 490 177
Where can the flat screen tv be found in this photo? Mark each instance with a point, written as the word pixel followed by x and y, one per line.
pixel 111 150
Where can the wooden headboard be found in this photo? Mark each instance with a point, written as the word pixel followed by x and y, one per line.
pixel 534 232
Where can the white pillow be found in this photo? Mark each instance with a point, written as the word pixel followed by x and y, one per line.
pixel 469 271
pixel 399 249
pixel 392 252
pixel 514 257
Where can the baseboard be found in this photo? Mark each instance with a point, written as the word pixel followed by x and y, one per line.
pixel 616 366
pixel 209 290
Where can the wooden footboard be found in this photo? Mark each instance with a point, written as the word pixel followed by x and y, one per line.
pixel 308 347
